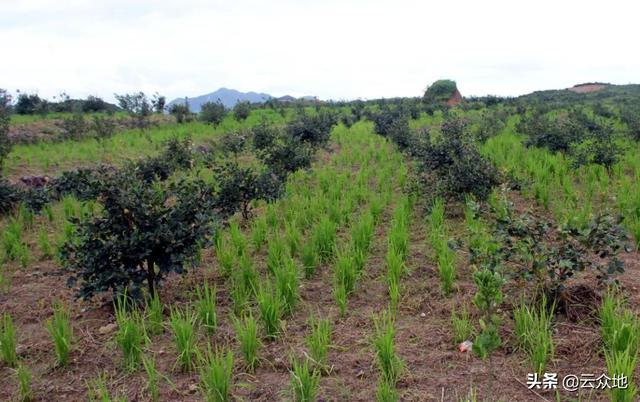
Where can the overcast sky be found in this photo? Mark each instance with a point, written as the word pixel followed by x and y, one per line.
pixel 335 49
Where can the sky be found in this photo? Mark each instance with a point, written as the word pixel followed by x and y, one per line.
pixel 333 49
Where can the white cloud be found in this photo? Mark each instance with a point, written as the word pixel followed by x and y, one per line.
pixel 334 49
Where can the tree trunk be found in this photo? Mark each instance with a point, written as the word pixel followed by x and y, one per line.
pixel 151 277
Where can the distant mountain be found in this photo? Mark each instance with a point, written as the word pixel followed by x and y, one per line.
pixel 228 97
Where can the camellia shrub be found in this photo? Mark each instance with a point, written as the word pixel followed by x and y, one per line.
pixel 238 185
pixel 454 165
pixel 312 128
pixel 213 112
pixel 143 233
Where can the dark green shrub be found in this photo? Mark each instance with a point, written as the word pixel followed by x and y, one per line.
pixel 454 164
pixel 313 129
pixel 212 112
pixel 180 111
pixel 30 104
pixel 241 111
pixel 143 233
pixel 287 154
pixel 264 134
pixel 10 196
pixel 237 186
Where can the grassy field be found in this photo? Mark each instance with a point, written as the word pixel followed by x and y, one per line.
pixel 357 284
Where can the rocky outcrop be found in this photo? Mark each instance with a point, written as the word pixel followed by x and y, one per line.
pixel 455 99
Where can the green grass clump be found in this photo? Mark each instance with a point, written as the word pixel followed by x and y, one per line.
pixel 309 259
pixel 60 329
pixel 386 392
pixel 461 324
pixel 293 237
pixel 270 306
pixel 304 381
pixel 130 334
pixel 259 230
pixel 216 376
pixel 247 337
pixel 318 341
pixel 620 329
pixel 206 307
pixel 533 330
pixel 153 377
pixel 45 245
pixel 390 364
pixel 24 383
pixel 238 240
pixel 8 341
pixel 276 254
pixel 324 238
pixel 155 314
pixel 286 277
pixel 183 325
pixel 225 254
pixel 446 265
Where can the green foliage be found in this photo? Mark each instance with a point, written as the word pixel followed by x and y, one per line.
pixel 130 334
pixel 313 129
pixel 24 383
pixel 454 164
pixel 60 329
pixel 153 377
pixel 440 91
pixel 270 306
pixel 259 230
pixel 304 381
pixel 143 233
pixel 138 106
pixel 212 113
pixel 309 257
pixel 8 342
pixel 206 307
pixel 323 238
pixel 390 364
pixel 238 185
pixel 247 337
pixel 386 392
pixel 181 112
pixel 155 314
pixel 287 283
pixel 318 341
pixel 216 376
pixel 241 111
pixel 534 333
pixel 461 324
pixel 487 298
pixel 183 325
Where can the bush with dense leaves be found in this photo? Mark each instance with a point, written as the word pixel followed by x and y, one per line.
pixel 213 112
pixel 287 154
pixel 312 128
pixel 241 111
pixel 454 164
pixel 180 111
pixel 84 184
pixel 238 185
pixel 630 115
pixel 10 196
pixel 30 104
pixel 143 233
pixel 263 135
